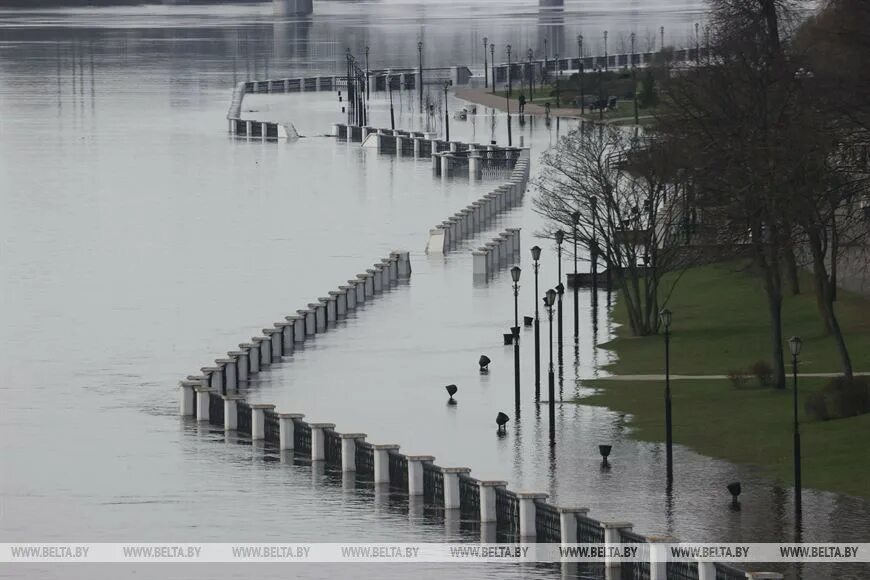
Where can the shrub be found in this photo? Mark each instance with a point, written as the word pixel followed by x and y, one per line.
pixel 840 398
pixel 817 407
pixel 762 371
pixel 737 378
pixel 848 397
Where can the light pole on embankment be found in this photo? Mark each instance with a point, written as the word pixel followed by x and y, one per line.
pixel 515 276
pixel 575 220
pixel 665 316
pixel 549 301
pixel 420 88
pixel 492 64
pixel 560 288
pixel 485 70
pixel 794 345
pixel 536 256
pixel 446 116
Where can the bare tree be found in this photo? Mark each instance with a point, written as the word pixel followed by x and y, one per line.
pixel 618 188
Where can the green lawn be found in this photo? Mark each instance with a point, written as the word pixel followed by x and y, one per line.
pixel 719 324
pixel 750 426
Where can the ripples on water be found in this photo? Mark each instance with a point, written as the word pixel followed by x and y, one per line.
pixel 140 242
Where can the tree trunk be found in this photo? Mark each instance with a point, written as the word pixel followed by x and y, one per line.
pixel 774 306
pixel 792 271
pixel 825 302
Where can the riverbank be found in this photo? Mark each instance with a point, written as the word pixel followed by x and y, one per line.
pixel 500 102
pixel 719 326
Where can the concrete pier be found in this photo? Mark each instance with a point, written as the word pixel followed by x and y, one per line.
pixel 287 339
pixel 253 350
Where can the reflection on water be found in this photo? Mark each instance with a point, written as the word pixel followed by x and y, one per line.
pixel 139 242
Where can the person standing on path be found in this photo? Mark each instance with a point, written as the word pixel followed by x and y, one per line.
pixel 522 101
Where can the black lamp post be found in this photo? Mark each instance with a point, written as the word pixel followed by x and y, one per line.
pixel 634 81
pixel 593 201
pixel 485 66
pixel 492 64
pixel 546 61
pixel 662 42
pixel 446 117
pixel 531 76
pixel 558 79
pixel 606 64
pixel 509 75
pixel 392 114
pixel 600 94
pixel 575 220
pixel 560 288
pixel 794 344
pixel 665 316
pixel 367 72
pixel 536 255
pixel 549 300
pixel 515 276
pixel 580 74
pixel 420 88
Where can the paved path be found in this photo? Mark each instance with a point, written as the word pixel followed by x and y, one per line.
pixel 704 377
pixel 486 98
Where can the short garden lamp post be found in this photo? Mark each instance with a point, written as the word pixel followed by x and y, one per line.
pixel 794 345
pixel 536 256
pixel 549 301
pixel 515 276
pixel 665 316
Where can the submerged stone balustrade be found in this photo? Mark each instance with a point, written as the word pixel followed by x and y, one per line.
pixel 480 214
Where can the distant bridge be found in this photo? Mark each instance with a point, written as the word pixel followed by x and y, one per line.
pixel 306 7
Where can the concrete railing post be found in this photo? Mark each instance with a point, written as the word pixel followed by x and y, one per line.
pixel 415 473
pixel 287 341
pixel 488 490
pixel 265 344
pixel 706 571
pixel 348 450
pixel 568 523
pixel 275 336
pixel 319 309
pixel 202 402
pixel 253 356
pixel 339 298
pixel 286 429
pixel 318 440
pixel 331 308
pixel 658 557
pixel 613 537
pixel 227 370
pixel 241 357
pixel 528 512
pixel 382 461
pixel 231 412
pixel 187 403
pixel 258 420
pixel 307 328
pixel 451 475
pixel 349 296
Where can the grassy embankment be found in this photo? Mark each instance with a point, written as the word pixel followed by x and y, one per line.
pixel 719 325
